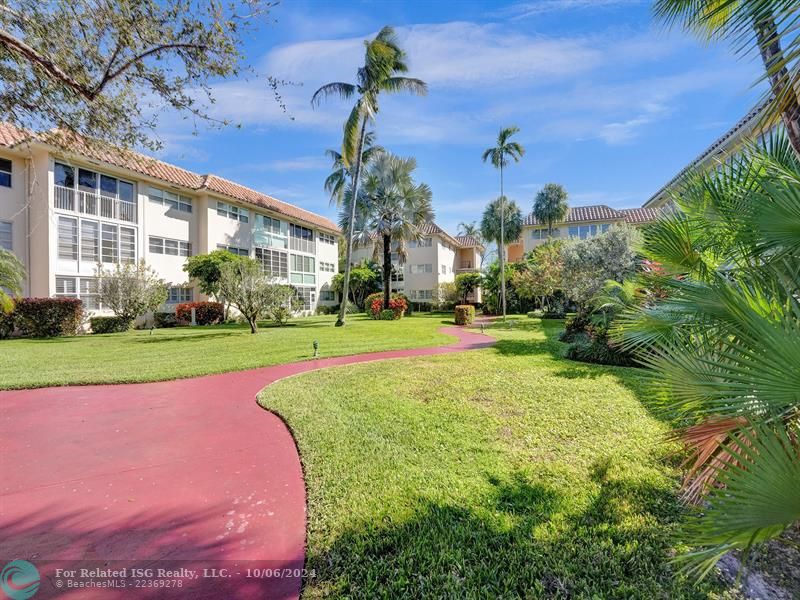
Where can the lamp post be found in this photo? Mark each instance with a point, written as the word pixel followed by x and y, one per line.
pixel 316 348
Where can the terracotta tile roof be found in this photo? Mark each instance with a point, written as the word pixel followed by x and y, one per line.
pixel 639 216
pixel 468 241
pixel 580 214
pixel 432 228
pixel 162 171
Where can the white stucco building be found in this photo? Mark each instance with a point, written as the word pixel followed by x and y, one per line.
pixel 63 212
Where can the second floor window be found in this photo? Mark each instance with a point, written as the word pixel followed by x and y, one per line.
pixel 301 238
pixel 428 268
pixel 170 200
pixel 95 241
pixel 233 212
pixel 5 172
pixel 586 231
pixel 169 247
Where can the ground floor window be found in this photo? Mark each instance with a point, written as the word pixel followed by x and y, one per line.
pixel 5 235
pixel 273 262
pixel 307 295
pixel 422 294
pixel 327 296
pixel 178 295
pixel 234 249
pixel 85 288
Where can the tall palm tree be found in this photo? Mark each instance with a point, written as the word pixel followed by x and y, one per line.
pixel 499 156
pixel 501 221
pixel 723 343
pixel 12 274
pixel 383 60
pixel 342 175
pixel 392 212
pixel 550 205
pixel 763 23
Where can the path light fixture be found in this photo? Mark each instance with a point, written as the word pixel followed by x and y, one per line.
pixel 481 326
pixel 316 348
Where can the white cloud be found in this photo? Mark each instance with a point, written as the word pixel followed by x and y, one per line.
pixel 524 10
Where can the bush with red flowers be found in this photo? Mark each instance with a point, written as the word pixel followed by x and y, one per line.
pixel 206 313
pixel 398 305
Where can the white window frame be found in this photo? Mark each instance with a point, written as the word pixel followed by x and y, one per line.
pixel 177 201
pixel 270 258
pixel 63 244
pixel 7 235
pixel 231 211
pixel 234 249
pixel 7 171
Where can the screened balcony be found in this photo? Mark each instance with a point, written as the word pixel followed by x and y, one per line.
pixel 94 194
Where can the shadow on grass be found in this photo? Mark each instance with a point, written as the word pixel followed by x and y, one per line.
pixel 520 543
pixel 159 337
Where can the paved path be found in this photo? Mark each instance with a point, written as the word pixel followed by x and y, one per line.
pixel 187 474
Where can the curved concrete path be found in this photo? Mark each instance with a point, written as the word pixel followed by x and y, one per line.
pixel 189 473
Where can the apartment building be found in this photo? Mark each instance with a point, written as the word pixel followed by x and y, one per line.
pixel 581 222
pixel 435 259
pixel 63 211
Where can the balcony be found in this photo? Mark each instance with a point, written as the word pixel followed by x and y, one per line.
pixel 98 205
pixel 302 245
pixel 465 266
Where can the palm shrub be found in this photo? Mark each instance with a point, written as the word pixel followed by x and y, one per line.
pixel 12 274
pixel 723 342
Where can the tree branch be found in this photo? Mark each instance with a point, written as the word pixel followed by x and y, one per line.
pixel 139 57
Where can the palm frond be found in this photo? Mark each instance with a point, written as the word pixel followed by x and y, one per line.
pixel 406 84
pixel 345 91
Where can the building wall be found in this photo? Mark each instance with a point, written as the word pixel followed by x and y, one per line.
pixel 536 235
pixel 14 210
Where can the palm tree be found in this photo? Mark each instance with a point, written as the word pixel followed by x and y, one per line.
pixel 723 343
pixel 502 220
pixel 12 274
pixel 550 205
pixel 499 156
pixel 392 212
pixel 764 22
pixel 383 60
pixel 469 229
pixel 341 175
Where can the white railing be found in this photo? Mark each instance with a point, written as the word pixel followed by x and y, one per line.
pixel 98 205
pixel 302 245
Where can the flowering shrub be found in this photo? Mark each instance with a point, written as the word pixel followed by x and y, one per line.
pixel 48 317
pixel 398 305
pixel 465 314
pixel 206 313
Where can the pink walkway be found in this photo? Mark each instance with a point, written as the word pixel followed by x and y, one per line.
pixel 188 474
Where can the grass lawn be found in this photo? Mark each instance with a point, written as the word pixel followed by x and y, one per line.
pixel 499 473
pixel 186 352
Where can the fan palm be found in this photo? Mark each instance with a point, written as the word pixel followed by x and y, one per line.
pixel 763 24
pixel 500 156
pixel 550 205
pixel 342 175
pixel 12 274
pixel 383 60
pixel 392 212
pixel 724 346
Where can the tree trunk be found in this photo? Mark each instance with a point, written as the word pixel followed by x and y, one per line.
pixel 502 245
pixel 769 45
pixel 253 325
pixel 350 225
pixel 387 270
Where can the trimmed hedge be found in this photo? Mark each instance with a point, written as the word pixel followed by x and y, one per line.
pixel 465 314
pixel 205 313
pixel 109 324
pixel 48 317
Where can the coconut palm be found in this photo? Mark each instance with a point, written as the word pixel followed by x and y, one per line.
pixel 550 205
pixel 392 211
pixel 501 222
pixel 341 175
pixel 12 274
pixel 763 24
pixel 723 344
pixel 500 156
pixel 383 61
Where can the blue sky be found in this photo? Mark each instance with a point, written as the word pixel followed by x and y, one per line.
pixel 609 104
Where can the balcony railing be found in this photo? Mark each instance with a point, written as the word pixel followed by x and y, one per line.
pixel 302 245
pixel 90 203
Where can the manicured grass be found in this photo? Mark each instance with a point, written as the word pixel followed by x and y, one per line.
pixel 500 473
pixel 187 352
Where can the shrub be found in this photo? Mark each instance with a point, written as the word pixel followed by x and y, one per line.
pixel 465 314
pixel 387 315
pixel 573 327
pixel 48 317
pixel 536 314
pixel 206 313
pixel 593 346
pixel 6 324
pixel 398 304
pixel 163 320
pixel 109 324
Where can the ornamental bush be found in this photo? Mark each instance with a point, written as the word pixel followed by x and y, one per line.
pixel 206 313
pixel 164 320
pixel 398 304
pixel 48 317
pixel 109 324
pixel 465 314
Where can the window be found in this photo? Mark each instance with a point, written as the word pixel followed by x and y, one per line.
pixel 444 269
pixel 273 263
pixel 327 267
pixel 326 238
pixel 303 269
pixel 605 227
pixel 421 294
pixel 84 288
pixel 307 295
pixel 301 238
pixel 423 243
pixel 234 250
pixel 5 235
pixel 109 244
pixel 90 241
pixel 87 180
pixel 179 294
pixel 327 296
pixel 66 286
pixel 5 172
pixel 127 245
pixel 170 200
pixel 67 238
pixel 428 268
pixel 233 212
pixel 270 224
pixel 270 232
pixel 64 175
pixel 159 245
pixel 573 231
pixel 538 234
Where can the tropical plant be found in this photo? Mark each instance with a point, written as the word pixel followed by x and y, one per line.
pixel 12 274
pixel 550 205
pixel 500 156
pixel 341 174
pixel 383 61
pixel 466 283
pixel 392 211
pixel 254 293
pixel 751 24
pixel 206 269
pixel 723 343
pixel 501 223
pixel 542 274
pixel 131 290
pixel 365 279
